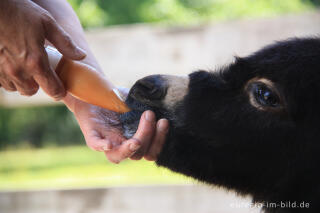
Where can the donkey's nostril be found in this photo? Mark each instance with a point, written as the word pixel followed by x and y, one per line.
pixel 146 85
pixel 151 87
pixel 154 91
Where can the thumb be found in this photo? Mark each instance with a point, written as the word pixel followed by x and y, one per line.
pixel 62 41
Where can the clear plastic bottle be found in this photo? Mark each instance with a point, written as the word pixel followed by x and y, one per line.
pixel 85 83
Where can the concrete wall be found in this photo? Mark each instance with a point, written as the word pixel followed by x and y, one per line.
pixel 147 199
pixel 128 53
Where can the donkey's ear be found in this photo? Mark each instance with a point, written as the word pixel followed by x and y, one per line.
pixel 239 60
pixel 238 69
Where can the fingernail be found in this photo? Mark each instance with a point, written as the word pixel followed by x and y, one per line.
pixel 149 116
pixel 163 125
pixel 60 94
pixel 80 52
pixel 106 148
pixel 134 147
pixel 57 98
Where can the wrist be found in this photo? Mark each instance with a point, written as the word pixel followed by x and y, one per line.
pixel 75 105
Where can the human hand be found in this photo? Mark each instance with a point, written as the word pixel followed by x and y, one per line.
pixel 102 131
pixel 24 66
pixel 152 135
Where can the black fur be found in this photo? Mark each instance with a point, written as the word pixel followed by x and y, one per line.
pixel 223 140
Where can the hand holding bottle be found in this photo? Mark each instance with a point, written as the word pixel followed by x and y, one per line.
pixel 24 27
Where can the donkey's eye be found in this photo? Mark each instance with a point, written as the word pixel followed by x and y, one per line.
pixel 265 96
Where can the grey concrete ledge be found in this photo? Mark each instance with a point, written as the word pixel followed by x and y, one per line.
pixel 143 199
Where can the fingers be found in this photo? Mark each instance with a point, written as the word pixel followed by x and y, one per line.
pixel 45 77
pixel 158 140
pixel 27 78
pixel 98 143
pixel 4 81
pixel 140 141
pixel 145 133
pixel 22 82
pixel 8 85
pixel 23 61
pixel 147 141
pixel 27 87
pixel 26 84
pixel 61 40
pixel 13 79
pixel 124 151
pixel 98 135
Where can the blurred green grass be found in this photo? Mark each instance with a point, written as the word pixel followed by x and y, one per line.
pixel 76 166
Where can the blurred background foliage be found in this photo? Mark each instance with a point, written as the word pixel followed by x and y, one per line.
pixel 37 127
pixel 97 13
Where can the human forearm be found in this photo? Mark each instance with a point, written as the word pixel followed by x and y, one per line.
pixel 68 20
